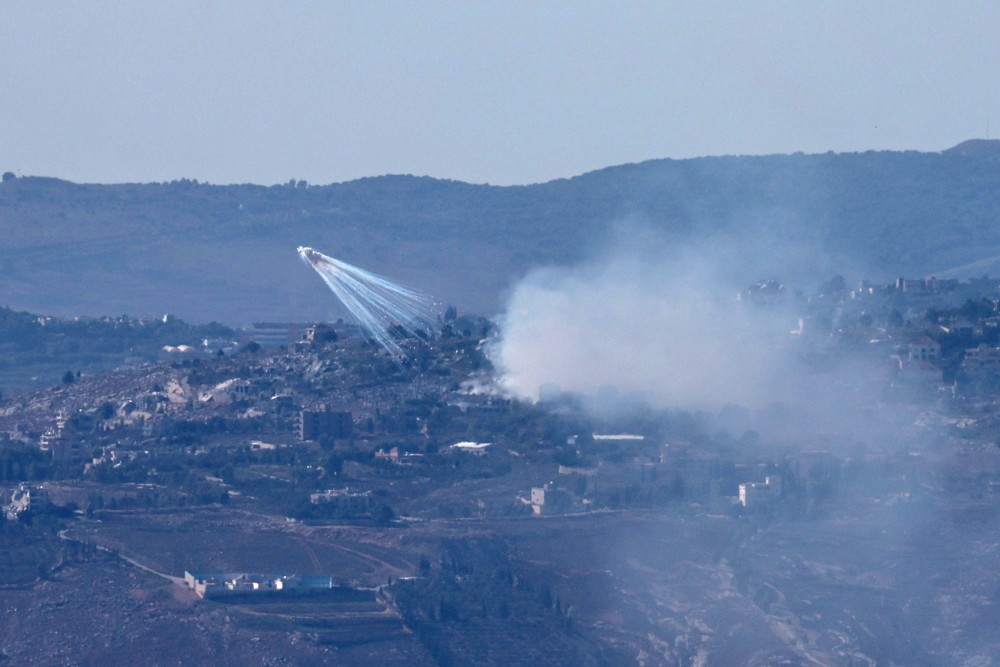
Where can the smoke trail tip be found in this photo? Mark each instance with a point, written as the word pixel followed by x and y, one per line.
pixel 312 257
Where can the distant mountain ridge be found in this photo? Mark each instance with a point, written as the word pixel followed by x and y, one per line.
pixel 227 253
pixel 976 148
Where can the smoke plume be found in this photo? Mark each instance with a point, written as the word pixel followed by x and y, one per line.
pixel 661 323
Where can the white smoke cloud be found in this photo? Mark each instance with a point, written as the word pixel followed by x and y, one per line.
pixel 651 321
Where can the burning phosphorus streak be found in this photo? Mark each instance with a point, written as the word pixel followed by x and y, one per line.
pixel 379 305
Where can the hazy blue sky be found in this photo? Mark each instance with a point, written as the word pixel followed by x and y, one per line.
pixel 511 92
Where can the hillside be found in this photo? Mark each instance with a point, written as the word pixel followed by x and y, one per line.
pixel 227 253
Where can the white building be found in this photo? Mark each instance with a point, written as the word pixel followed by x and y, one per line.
pixel 757 494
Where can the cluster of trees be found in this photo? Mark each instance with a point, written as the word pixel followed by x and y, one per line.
pixel 377 513
pixel 23 463
pixel 479 604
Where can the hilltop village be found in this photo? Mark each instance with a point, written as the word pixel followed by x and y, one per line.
pixel 296 428
pixel 314 421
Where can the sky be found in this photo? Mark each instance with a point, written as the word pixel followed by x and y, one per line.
pixel 484 92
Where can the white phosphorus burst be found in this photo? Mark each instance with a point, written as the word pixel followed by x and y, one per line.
pixel 379 305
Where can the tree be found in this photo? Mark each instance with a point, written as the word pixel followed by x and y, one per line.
pixel 69 377
pixel 106 411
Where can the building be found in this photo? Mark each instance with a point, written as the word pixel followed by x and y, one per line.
pixel 391 455
pixel 981 360
pixel 321 333
pixel 276 334
pixel 911 285
pixel 61 447
pixel 549 500
pixel 67 442
pixel 618 437
pixel 343 499
pixel 261 446
pixel 23 498
pixel 315 424
pixel 474 448
pixel 218 584
pixel 756 495
pixel 924 348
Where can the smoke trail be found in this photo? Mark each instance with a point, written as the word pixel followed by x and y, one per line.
pixel 377 304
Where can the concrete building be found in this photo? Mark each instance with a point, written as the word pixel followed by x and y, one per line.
pixel 982 360
pixel 62 447
pixel 315 424
pixel 549 500
pixel 343 499
pixel 276 334
pixel 924 348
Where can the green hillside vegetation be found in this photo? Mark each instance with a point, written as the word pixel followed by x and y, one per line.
pixel 205 252
pixel 43 351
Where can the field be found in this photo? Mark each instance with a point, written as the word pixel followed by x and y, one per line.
pixel 233 540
